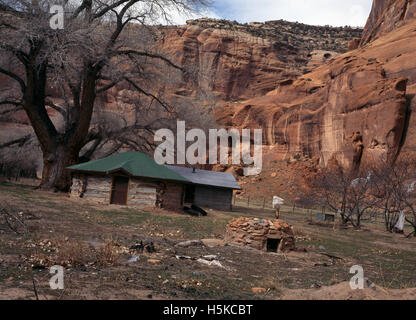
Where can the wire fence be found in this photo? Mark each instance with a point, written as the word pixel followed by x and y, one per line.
pixel 267 203
pixel 321 213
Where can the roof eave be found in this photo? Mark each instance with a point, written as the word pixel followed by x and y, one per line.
pixel 127 173
pixel 216 186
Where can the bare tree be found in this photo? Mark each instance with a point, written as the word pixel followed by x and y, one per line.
pixel 360 199
pixel 345 192
pixel 404 190
pixel 390 188
pixel 331 189
pixel 104 43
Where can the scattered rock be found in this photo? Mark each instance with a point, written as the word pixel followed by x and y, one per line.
pixel 183 257
pixel 258 290
pixel 213 263
pixel 212 243
pixel 154 261
pixel 210 257
pixel 190 243
pixel 133 259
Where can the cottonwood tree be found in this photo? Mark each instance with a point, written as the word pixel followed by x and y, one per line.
pixel 331 189
pixel 404 191
pixel 390 187
pixel 360 199
pixel 104 43
pixel 113 131
pixel 345 192
pixel 409 199
pixel 394 188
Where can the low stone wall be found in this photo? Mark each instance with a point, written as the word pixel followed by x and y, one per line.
pixel 261 234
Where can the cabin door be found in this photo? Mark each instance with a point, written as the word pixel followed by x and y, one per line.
pixel 189 194
pixel 119 190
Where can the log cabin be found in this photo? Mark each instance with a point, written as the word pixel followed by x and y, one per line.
pixel 133 179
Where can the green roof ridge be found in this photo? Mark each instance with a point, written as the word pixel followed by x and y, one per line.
pixel 135 163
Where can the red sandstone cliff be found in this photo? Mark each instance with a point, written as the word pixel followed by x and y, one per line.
pixel 353 107
pixel 358 107
pixel 387 15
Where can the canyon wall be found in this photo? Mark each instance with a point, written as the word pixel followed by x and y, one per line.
pixel 240 61
pixel 387 15
pixel 312 96
pixel 356 108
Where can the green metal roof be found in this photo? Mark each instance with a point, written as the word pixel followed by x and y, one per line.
pixel 136 164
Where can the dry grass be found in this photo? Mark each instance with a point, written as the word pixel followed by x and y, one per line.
pixel 75 253
pixel 109 254
pixel 92 243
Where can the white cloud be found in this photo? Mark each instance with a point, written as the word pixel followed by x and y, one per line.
pixel 316 12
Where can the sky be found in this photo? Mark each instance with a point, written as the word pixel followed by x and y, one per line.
pixel 315 12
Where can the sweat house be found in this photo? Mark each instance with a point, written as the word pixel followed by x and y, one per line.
pixel 134 179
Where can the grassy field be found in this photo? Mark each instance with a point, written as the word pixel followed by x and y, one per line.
pixel 92 242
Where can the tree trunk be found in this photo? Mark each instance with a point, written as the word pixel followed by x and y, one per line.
pixel 55 176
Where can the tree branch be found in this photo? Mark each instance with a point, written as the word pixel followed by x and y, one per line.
pixel 57 108
pixel 15 77
pixel 149 55
pixel 162 103
pixel 20 141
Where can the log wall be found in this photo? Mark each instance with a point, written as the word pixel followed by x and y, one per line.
pixel 94 188
pixel 172 197
pixel 141 192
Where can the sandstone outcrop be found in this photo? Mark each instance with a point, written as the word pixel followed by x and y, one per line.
pixel 356 108
pixel 240 61
pixel 386 16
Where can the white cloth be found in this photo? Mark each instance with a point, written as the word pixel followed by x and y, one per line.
pixel 277 202
pixel 401 221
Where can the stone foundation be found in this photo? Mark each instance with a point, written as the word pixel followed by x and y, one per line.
pixel 266 235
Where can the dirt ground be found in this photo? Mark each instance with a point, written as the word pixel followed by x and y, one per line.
pixel 342 291
pixel 95 244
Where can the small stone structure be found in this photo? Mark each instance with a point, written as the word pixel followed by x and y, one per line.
pixel 266 235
